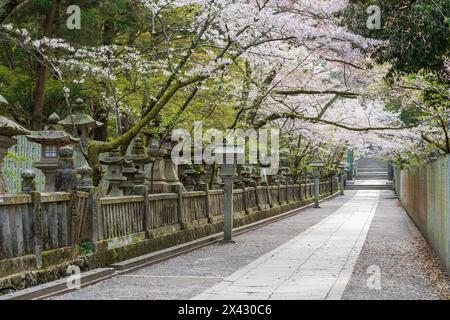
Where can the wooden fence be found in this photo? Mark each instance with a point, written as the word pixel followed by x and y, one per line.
pixel 425 194
pixel 36 222
pixel 30 224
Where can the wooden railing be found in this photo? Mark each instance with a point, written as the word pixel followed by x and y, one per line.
pixel 16 226
pixel 122 216
pixel 164 210
pixel 36 222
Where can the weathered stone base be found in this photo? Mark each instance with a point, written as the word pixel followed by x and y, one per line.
pixel 20 273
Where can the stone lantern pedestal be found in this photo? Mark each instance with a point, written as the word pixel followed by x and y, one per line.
pixel 114 175
pixel 170 168
pixel 158 183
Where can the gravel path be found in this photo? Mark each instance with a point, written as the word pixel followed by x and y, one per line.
pixel 394 246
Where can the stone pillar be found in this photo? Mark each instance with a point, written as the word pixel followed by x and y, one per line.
pixel 65 180
pixel 316 191
pixel 228 173
pixel 38 226
pixel 158 183
pixel 171 174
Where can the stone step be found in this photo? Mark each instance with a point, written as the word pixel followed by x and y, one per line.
pixel 372 177
pixel 372 173
pixel 374 169
pixel 368 187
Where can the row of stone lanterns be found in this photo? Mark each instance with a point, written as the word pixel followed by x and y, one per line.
pixel 123 173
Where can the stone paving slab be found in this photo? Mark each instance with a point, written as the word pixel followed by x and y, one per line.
pixel 320 249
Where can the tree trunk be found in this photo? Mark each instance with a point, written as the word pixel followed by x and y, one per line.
pixel 101 115
pixel 42 73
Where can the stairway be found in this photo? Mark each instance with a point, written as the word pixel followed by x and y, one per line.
pixel 372 174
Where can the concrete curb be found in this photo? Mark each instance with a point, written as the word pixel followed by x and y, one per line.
pixel 59 286
pixel 91 277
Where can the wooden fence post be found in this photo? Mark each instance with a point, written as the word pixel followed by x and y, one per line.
pixel 205 188
pixel 269 196
pixel 279 195
pixel 94 218
pixel 142 190
pixel 257 199
pixel 244 199
pixel 36 203
pixel 74 224
pixel 181 214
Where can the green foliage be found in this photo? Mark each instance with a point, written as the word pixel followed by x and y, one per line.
pixel 84 249
pixel 417 33
pixel 12 174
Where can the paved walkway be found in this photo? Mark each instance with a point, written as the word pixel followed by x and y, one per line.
pixel 317 254
pixel 317 264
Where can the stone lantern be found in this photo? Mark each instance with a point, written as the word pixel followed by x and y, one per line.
pixel 8 129
pixel 129 172
pixel 51 140
pixel 80 122
pixel 316 166
pixel 227 151
pixel 114 173
pixel 140 159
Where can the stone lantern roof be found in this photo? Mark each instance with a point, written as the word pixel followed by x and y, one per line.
pixel 51 135
pixel 10 128
pixel 113 157
pixel 79 118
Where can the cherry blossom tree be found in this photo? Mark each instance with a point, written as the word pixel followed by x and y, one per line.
pixel 282 60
